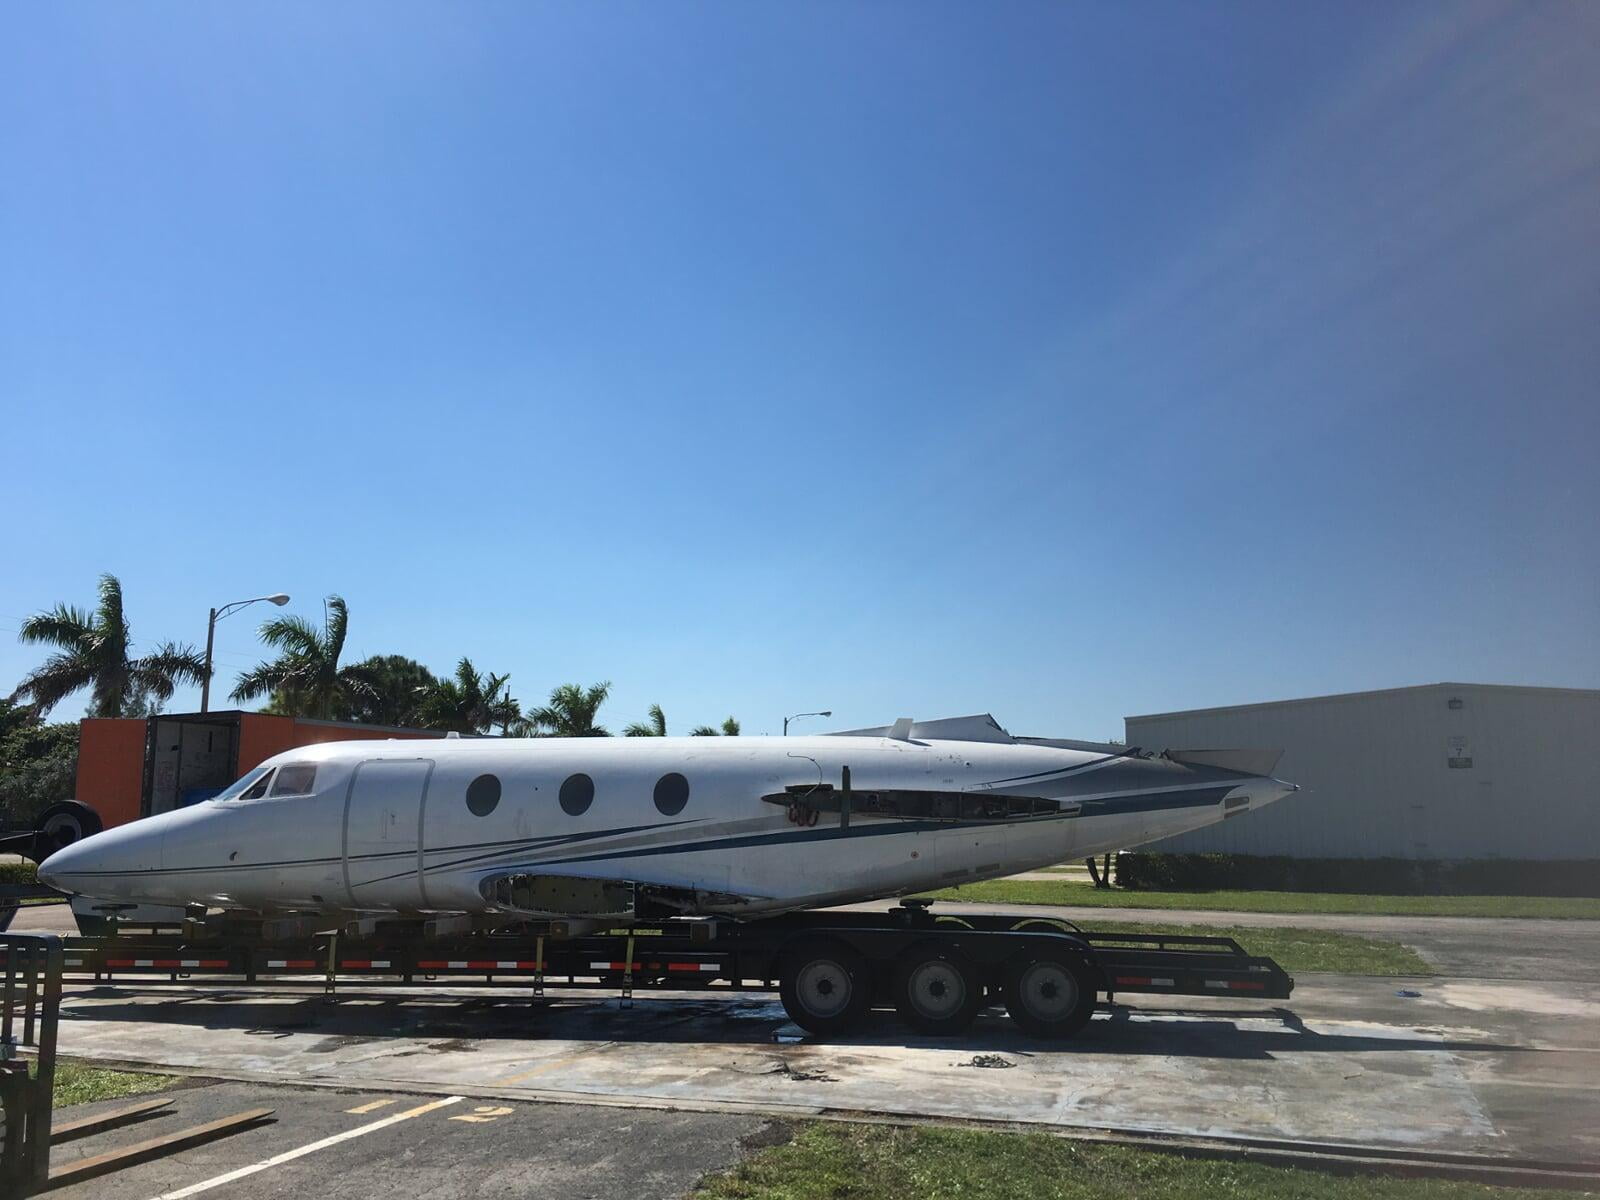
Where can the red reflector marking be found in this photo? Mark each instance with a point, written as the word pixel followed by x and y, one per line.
pixel 1236 985
pixel 702 966
pixel 616 966
pixel 479 964
pixel 1144 981
pixel 290 964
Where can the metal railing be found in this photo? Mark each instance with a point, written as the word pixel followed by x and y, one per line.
pixel 29 1009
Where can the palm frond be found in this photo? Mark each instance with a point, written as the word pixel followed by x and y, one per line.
pixel 263 678
pixel 292 634
pixel 113 623
pixel 57 678
pixel 338 624
pixel 702 731
pixel 65 626
pixel 355 682
pixel 171 663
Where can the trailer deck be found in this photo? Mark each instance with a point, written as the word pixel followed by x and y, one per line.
pixel 830 967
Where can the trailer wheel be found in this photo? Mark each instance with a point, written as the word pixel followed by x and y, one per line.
pixel 1050 994
pixel 937 991
pixel 65 822
pixel 824 985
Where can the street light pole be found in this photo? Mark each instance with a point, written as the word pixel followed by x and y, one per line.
pixel 797 716
pixel 278 598
pixel 205 683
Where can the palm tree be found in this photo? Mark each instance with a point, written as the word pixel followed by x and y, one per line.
pixel 471 703
pixel 95 649
pixel 730 728
pixel 306 680
pixel 505 710
pixel 656 728
pixel 571 712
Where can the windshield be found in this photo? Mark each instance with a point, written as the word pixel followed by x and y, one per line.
pixel 295 779
pixel 236 790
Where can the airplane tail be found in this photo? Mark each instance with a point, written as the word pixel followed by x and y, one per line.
pixel 1245 762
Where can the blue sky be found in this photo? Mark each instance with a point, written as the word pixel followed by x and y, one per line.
pixel 1060 360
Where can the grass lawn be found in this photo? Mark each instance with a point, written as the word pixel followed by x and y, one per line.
pixel 78 1083
pixel 1067 891
pixel 827 1161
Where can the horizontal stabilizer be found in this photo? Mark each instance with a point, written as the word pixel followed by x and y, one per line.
pixel 1246 762
pixel 979 728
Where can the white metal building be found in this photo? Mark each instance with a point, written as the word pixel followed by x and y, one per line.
pixel 1441 771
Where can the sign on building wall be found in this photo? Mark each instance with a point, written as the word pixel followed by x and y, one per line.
pixel 1459 754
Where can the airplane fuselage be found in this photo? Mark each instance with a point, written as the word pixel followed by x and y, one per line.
pixel 519 825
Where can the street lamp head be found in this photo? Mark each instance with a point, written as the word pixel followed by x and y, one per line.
pixel 828 713
pixel 280 599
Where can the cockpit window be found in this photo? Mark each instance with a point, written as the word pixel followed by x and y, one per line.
pixel 294 779
pixel 257 789
pixel 236 790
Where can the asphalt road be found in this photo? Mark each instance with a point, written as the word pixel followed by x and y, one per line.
pixel 437 1147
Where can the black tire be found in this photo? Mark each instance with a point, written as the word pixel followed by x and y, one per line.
pixel 1050 994
pixel 937 990
pixel 825 985
pixel 65 822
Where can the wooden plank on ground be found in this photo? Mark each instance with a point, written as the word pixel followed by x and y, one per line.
pixel 127 1156
pixel 65 1131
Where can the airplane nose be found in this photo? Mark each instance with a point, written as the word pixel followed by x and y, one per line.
pixel 108 863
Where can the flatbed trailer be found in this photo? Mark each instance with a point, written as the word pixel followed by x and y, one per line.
pixel 830 967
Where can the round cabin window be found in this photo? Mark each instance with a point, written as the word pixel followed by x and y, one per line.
pixel 672 793
pixel 577 793
pixel 483 794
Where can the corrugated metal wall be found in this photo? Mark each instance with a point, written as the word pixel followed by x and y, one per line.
pixel 1378 781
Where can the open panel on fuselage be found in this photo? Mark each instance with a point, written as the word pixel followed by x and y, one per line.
pixel 918 805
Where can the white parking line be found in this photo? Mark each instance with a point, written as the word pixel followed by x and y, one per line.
pixel 206 1185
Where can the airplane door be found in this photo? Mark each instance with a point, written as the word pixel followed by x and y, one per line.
pixel 382 820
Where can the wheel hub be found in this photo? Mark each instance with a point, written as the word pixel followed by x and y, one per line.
pixel 823 987
pixel 936 989
pixel 1048 990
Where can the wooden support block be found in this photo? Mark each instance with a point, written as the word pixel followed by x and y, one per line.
pixel 65 1131
pixel 127 1156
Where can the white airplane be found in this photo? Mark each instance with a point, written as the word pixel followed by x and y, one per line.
pixel 644 828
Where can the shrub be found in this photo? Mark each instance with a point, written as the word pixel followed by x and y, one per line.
pixel 38 766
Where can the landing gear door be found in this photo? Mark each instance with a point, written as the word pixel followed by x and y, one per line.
pixel 382 822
